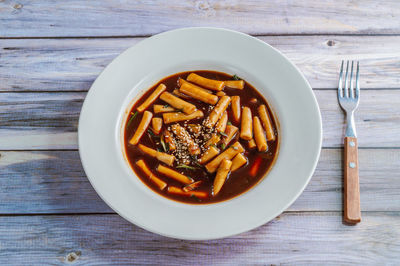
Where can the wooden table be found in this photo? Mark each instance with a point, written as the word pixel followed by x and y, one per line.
pixel 51 52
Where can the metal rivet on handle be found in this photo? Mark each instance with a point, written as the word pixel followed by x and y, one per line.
pixel 352 165
pixel 352 144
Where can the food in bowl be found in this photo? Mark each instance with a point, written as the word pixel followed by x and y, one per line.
pixel 201 137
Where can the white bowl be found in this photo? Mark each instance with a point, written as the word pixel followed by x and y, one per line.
pixel 134 71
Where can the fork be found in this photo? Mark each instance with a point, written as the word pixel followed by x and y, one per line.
pixel 348 100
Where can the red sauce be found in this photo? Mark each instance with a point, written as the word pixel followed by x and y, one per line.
pixel 237 182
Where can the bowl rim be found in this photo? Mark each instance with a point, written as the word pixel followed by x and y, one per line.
pixel 86 167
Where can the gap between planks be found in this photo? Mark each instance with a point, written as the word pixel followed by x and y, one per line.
pixel 116 214
pixel 149 35
pixel 83 90
pixel 323 148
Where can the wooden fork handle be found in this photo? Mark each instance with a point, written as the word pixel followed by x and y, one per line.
pixel 352 212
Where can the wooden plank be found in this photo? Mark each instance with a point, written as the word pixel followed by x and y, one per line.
pixel 54 182
pixel 56 64
pixel 377 118
pixel 292 238
pixel 50 120
pixel 46 182
pixel 379 182
pixel 138 18
pixel 39 120
pixel 73 64
pixel 319 57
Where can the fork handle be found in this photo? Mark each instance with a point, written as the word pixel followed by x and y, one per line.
pixel 352 212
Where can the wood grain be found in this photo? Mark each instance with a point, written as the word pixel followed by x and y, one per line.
pixel 138 18
pixel 351 183
pixel 54 182
pixel 50 120
pixel 379 182
pixel 46 182
pixel 43 82
pixel 291 238
pixel 73 64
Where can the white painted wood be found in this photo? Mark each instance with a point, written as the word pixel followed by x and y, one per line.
pixel 50 120
pixel 54 182
pixel 379 182
pixel 46 182
pixel 138 18
pixel 73 64
pixel 377 119
pixel 292 238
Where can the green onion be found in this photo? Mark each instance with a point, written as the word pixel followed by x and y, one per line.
pixel 196 198
pixel 151 133
pixel 151 139
pixel 163 145
pixel 186 167
pixel 132 117
pixel 235 77
pixel 196 163
pixel 166 105
pixel 223 134
pixel 223 146
pixel 229 123
pixel 167 144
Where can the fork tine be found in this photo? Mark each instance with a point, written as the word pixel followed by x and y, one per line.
pixel 346 87
pixel 357 81
pixel 351 91
pixel 340 87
